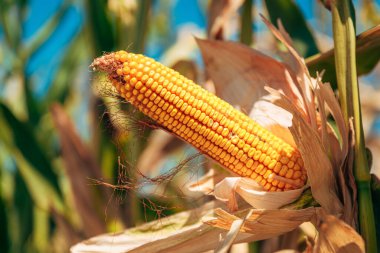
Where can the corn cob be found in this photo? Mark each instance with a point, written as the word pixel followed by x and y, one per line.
pixel 207 122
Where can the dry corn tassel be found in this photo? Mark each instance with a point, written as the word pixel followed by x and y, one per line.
pixel 207 122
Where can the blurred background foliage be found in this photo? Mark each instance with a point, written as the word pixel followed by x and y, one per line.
pixel 59 138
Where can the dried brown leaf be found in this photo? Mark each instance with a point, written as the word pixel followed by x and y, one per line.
pixel 80 166
pixel 320 171
pixel 264 223
pixel 183 232
pixel 240 73
pixel 220 13
pixel 232 234
pixel 252 193
pixel 337 236
pixel 274 118
pixel 296 65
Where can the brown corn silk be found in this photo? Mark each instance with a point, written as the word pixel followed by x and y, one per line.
pixel 207 122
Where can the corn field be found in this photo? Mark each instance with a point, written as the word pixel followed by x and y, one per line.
pixel 189 126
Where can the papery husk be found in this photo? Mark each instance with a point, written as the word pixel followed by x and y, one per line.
pixel 273 118
pixel 331 147
pixel 336 236
pixel 241 82
pixel 226 188
pixel 232 234
pixel 264 223
pixel 183 232
pixel 80 165
pixel 252 193
pixel 319 168
pixel 300 74
pixel 220 13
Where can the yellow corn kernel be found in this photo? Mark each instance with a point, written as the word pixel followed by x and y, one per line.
pixel 207 122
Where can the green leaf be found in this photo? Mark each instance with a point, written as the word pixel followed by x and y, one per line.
pixel 63 80
pixel 367 56
pixel 4 235
pixel 142 19
pixel 23 207
pixel 101 26
pixel 294 23
pixel 20 134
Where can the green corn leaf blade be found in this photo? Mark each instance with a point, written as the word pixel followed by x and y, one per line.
pixel 62 84
pixel 32 106
pixel 20 134
pixel 367 56
pixel 294 23
pixel 101 26
pixel 142 21
pixel 4 228
pixel 23 211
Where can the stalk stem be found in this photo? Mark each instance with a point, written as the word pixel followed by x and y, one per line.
pixel 246 33
pixel 345 63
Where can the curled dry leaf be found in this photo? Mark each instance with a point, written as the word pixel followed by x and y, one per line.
pixel 314 135
pixel 252 193
pixel 263 223
pixel 273 118
pixel 337 236
pixel 220 14
pixel 183 232
pixel 80 166
pixel 242 81
pixel 232 234
pixel 319 167
pixel 225 188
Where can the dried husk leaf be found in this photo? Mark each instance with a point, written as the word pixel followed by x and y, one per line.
pixel 296 65
pixel 264 223
pixel 242 83
pixel 225 188
pixel 252 193
pixel 337 236
pixel 220 14
pixel 80 166
pixel 182 232
pixel 274 118
pixel 319 168
pixel 312 132
pixel 232 234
